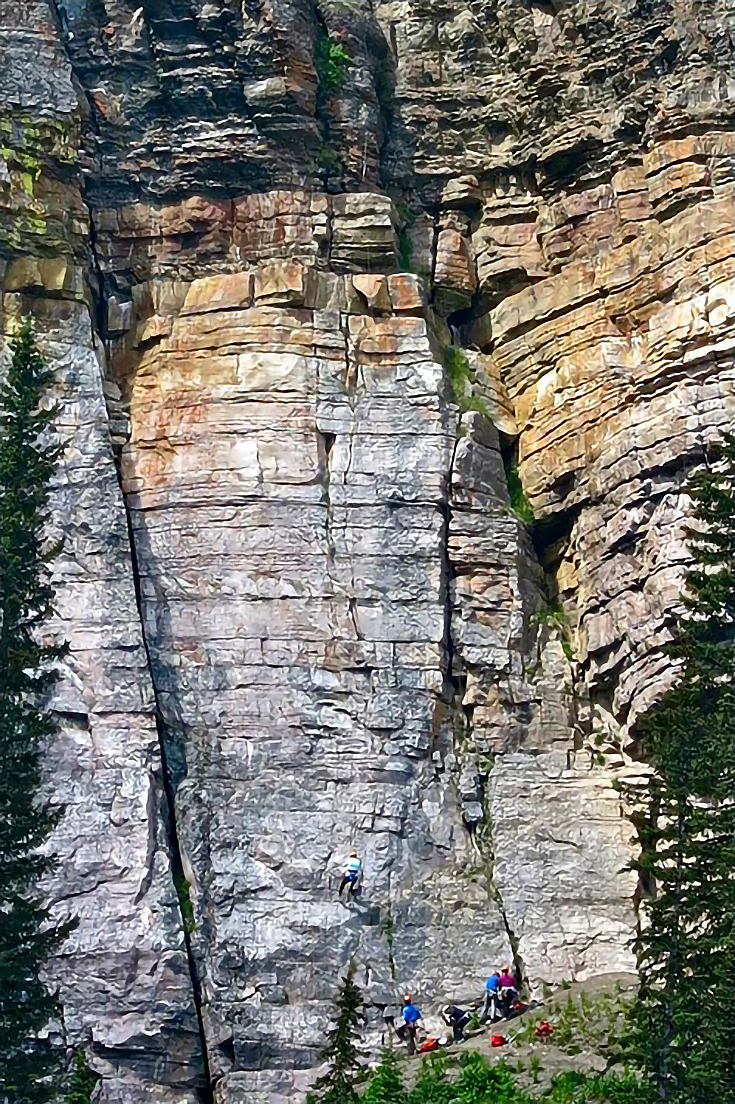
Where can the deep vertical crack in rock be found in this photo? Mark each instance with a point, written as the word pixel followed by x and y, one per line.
pixel 458 685
pixel 175 855
pixel 512 937
pixel 205 1091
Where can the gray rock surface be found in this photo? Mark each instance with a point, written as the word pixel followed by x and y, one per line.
pixel 123 974
pixel 325 595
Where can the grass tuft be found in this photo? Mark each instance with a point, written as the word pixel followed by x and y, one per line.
pixel 518 500
pixel 463 382
pixel 183 892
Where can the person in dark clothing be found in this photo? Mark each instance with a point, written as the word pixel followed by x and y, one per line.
pixel 507 992
pixel 411 1016
pixel 457 1019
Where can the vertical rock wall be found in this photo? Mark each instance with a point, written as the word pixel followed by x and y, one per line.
pixel 123 975
pixel 287 479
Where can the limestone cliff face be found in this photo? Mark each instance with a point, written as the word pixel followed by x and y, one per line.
pixel 303 612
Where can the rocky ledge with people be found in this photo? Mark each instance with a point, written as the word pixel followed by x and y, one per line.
pixel 501 1001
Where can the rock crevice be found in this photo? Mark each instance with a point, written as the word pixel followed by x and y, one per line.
pixel 179 874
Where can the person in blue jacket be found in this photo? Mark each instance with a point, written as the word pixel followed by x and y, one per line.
pixel 490 1006
pixel 411 1016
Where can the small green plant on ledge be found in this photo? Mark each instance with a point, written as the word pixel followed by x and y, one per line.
pixel 550 614
pixel 327 158
pixel 462 381
pixel 183 892
pixel 405 245
pixel 405 251
pixel 519 503
pixel 388 929
pixel 554 616
pixel 331 62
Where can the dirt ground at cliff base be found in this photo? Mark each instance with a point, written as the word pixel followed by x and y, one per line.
pixel 520 1048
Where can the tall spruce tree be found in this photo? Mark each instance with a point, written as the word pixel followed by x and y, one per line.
pixel 28 936
pixel 338 1084
pixel 683 1023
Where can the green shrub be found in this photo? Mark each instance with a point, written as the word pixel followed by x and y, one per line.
pixel 462 381
pixel 480 1081
pixel 566 1087
pixel 331 62
pixel 518 500
pixel 473 1080
pixel 327 158
pixel 432 1084
pixel 81 1081
pixel 183 892
pixel 573 1087
pixel 553 614
pixel 385 1085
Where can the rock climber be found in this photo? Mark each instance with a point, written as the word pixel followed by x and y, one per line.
pixel 351 874
pixel 411 1016
pixel 490 1004
pixel 507 991
pixel 457 1019
pixel 508 980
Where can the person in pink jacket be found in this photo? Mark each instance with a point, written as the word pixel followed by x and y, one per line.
pixel 507 991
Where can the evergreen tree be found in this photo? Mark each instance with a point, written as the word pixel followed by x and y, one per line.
pixel 28 1071
pixel 337 1085
pixel 82 1081
pixel 432 1085
pixel 682 1025
pixel 385 1085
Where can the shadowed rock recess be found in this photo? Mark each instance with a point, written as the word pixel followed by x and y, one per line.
pixel 304 611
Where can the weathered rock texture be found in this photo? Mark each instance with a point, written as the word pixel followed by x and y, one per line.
pixel 304 613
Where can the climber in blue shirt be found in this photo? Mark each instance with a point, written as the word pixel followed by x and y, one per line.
pixel 489 1008
pixel 411 1016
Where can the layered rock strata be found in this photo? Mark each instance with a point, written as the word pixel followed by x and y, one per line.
pixel 310 616
pixel 286 475
pixel 123 975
